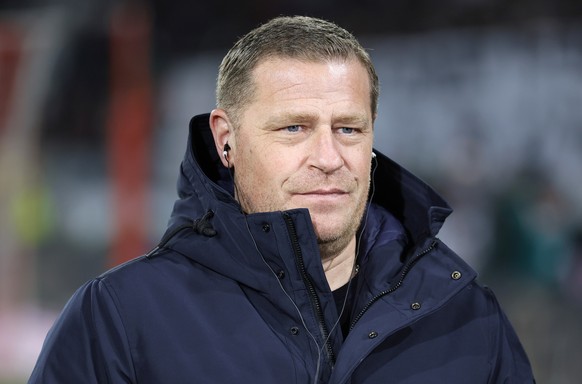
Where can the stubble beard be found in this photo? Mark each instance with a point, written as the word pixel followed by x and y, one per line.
pixel 330 245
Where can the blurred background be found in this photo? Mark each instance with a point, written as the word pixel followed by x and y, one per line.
pixel 480 98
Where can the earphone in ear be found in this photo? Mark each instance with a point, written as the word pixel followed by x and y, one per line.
pixel 373 154
pixel 225 151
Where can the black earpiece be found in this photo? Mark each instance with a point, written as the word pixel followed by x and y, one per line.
pixel 225 151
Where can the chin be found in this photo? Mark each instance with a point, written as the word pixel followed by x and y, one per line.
pixel 326 233
pixel 334 226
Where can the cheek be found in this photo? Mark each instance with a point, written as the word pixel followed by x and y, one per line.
pixel 366 169
pixel 260 167
pixel 362 166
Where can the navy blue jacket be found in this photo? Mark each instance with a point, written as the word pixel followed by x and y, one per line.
pixel 234 298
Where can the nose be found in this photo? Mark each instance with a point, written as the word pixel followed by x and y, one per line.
pixel 326 152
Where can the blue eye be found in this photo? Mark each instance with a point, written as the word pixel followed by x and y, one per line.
pixel 347 130
pixel 293 128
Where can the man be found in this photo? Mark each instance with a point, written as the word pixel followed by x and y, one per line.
pixel 295 254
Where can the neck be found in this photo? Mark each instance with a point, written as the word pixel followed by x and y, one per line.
pixel 338 267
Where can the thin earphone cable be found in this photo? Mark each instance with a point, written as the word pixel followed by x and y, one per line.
pixel 319 349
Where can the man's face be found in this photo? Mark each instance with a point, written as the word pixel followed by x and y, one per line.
pixel 305 141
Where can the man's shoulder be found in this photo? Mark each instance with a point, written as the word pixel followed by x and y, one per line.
pixel 145 270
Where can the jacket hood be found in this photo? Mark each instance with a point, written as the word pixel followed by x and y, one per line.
pixel 207 208
pixel 204 182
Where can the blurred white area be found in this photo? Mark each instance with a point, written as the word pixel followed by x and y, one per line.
pixel 22 332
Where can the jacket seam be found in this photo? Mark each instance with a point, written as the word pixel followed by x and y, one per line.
pixel 117 304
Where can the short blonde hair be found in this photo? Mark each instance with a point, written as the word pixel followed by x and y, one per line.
pixel 298 37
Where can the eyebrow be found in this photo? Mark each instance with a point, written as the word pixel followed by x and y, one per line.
pixel 358 120
pixel 284 118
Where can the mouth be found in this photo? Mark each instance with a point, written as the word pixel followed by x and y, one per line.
pixel 332 196
pixel 324 192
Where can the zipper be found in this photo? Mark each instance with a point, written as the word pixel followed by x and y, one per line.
pixel 310 287
pixel 407 267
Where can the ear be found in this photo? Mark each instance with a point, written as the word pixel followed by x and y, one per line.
pixel 221 131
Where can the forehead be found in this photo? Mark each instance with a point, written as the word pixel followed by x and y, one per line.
pixel 271 65
pixel 279 78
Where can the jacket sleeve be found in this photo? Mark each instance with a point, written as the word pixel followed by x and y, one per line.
pixel 509 360
pixel 87 343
